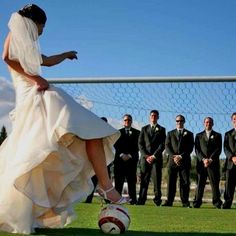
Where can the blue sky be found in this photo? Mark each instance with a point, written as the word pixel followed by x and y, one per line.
pixel 135 37
pixel 139 38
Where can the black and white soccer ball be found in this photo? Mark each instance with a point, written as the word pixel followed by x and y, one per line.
pixel 114 219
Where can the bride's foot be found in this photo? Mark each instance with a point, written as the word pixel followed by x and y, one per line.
pixel 112 195
pixel 48 214
pixel 49 219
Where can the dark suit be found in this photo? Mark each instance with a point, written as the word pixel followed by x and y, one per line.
pixel 151 143
pixel 179 145
pixel 230 183
pixel 208 149
pixel 127 144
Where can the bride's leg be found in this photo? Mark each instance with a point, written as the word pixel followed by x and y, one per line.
pixel 96 155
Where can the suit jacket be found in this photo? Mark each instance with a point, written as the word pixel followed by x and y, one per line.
pixel 208 148
pixel 151 143
pixel 182 145
pixel 127 144
pixel 230 147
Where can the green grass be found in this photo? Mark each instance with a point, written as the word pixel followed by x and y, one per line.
pixel 150 220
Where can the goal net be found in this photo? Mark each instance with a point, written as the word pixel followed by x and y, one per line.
pixel 193 97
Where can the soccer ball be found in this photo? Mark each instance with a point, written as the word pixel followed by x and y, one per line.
pixel 114 219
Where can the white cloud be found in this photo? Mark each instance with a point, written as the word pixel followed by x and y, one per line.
pixel 7 102
pixel 84 101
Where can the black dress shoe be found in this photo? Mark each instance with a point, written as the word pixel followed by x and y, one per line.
pixel 157 202
pixel 218 206
pixel 167 204
pixel 140 203
pixel 133 202
pixel 186 205
pixel 196 206
pixel 226 207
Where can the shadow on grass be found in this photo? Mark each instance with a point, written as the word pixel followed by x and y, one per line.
pixel 89 232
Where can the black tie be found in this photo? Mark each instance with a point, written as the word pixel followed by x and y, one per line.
pixel 153 129
pixel 179 134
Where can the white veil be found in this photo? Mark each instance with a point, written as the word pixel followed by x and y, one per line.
pixel 24 46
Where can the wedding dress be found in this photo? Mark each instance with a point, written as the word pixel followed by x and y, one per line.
pixel 43 162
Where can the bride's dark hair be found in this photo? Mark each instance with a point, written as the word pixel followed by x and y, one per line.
pixel 35 13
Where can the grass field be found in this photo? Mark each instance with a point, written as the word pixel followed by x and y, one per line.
pixel 150 220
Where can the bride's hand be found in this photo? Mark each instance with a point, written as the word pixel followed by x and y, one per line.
pixel 71 55
pixel 42 84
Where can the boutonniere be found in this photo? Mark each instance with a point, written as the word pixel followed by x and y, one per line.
pixel 185 133
pixel 156 129
pixel 130 132
pixel 212 137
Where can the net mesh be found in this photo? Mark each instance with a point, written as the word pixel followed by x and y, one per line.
pixel 195 100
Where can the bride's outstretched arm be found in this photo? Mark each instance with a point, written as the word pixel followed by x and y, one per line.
pixel 56 59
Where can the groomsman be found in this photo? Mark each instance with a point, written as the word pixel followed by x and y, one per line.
pixel 230 152
pixel 179 145
pixel 126 158
pixel 208 146
pixel 151 146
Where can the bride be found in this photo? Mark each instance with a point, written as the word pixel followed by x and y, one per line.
pixel 55 145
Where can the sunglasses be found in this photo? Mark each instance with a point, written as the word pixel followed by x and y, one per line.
pixel 127 120
pixel 179 121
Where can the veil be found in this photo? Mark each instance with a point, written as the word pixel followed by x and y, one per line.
pixel 24 46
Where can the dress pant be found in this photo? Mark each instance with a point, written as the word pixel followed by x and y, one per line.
pixel 126 171
pixel 89 199
pixel 184 182
pixel 230 185
pixel 154 171
pixel 214 177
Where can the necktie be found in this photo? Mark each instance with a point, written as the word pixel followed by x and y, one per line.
pixel 179 134
pixel 153 129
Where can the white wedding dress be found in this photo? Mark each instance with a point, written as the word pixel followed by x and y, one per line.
pixel 43 162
